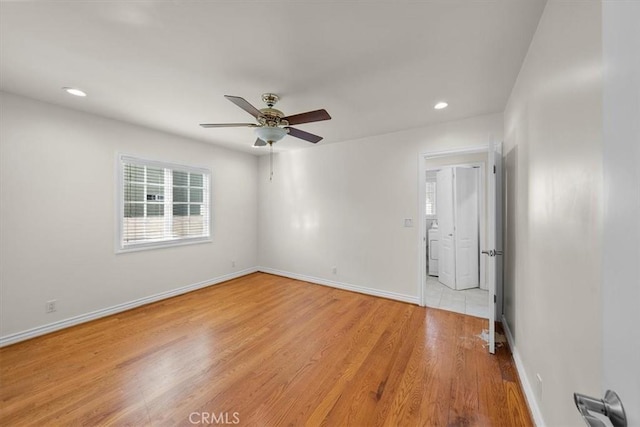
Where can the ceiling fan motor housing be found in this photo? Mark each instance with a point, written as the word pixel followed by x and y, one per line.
pixel 272 116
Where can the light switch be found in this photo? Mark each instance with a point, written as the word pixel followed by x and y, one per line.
pixel 408 222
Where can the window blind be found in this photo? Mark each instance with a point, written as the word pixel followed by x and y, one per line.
pixel 430 208
pixel 162 203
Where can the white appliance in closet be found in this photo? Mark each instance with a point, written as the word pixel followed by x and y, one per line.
pixel 457 206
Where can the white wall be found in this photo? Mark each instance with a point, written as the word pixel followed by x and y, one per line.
pixel 553 160
pixel 621 242
pixel 57 216
pixel 344 205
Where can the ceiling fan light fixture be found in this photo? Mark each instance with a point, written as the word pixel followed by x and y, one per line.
pixel 270 133
pixel 440 105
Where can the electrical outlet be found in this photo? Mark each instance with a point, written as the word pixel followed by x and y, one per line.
pixel 408 222
pixel 50 306
pixel 539 387
pixel 233 263
pixel 334 270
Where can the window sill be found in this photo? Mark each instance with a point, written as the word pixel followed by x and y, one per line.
pixel 162 244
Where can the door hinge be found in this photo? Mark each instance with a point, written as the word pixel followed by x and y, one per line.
pixel 495 300
pixel 494 168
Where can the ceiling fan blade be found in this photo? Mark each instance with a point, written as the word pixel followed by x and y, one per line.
pixel 228 125
pixel 242 103
pixel 304 135
pixel 259 143
pixel 310 116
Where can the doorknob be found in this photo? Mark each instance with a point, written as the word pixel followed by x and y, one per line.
pixel 487 252
pixel 610 406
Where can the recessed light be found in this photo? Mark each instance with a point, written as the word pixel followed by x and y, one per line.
pixel 440 105
pixel 74 91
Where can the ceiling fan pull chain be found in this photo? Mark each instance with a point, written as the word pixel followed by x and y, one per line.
pixel 271 161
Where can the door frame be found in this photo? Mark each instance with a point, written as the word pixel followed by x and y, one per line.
pixel 422 235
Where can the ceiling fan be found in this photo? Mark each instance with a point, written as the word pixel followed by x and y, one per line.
pixel 272 124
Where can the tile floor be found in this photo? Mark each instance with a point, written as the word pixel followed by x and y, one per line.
pixel 474 302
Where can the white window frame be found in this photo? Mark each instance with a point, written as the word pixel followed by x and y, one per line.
pixel 120 245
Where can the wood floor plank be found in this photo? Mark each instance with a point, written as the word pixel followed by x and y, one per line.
pixel 373 375
pixel 443 330
pixel 464 387
pixel 270 351
pixel 492 397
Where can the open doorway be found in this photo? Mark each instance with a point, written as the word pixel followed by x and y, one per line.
pixel 455 220
pixel 489 160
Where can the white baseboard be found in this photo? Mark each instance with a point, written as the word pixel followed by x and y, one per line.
pixel 524 379
pixel 341 285
pixel 76 320
pixel 82 318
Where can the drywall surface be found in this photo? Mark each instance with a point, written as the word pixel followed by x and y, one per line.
pixel 344 205
pixel 58 217
pixel 621 244
pixel 553 160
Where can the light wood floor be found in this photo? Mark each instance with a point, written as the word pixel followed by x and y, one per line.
pixel 266 351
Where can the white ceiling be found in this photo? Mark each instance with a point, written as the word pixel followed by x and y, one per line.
pixel 376 66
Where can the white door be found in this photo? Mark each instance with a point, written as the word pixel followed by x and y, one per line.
pixel 494 245
pixel 444 205
pixel 466 228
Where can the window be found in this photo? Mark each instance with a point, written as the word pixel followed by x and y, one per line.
pixel 430 208
pixel 161 204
